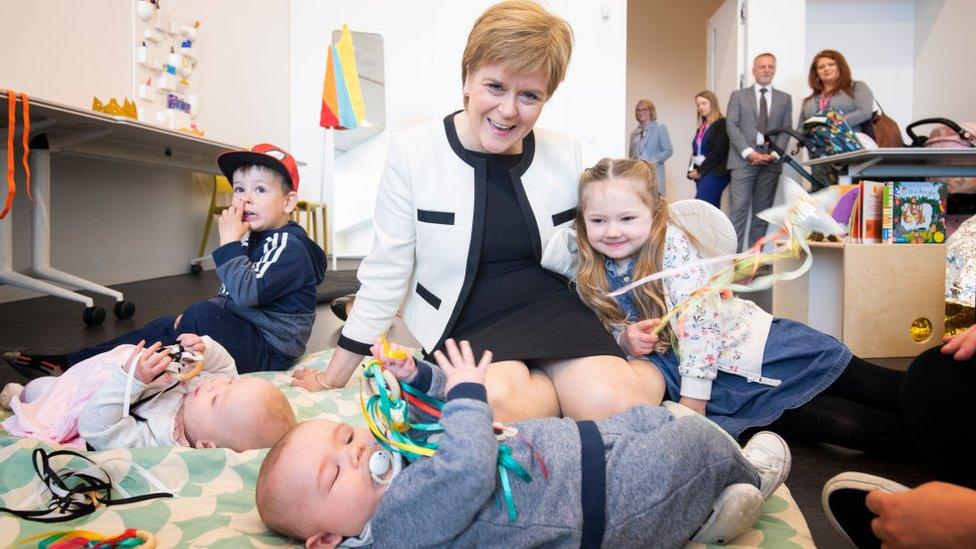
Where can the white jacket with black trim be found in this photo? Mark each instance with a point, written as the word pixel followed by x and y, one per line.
pixel 429 224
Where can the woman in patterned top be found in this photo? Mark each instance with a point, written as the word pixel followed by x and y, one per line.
pixel 727 358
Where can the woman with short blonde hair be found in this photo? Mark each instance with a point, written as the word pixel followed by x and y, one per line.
pixel 650 141
pixel 463 211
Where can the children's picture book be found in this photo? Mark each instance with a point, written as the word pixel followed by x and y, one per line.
pixel 871 197
pixel 917 212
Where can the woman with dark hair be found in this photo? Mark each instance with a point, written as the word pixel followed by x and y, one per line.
pixel 835 89
pixel 710 150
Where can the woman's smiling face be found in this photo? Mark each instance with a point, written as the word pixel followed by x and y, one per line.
pixel 502 107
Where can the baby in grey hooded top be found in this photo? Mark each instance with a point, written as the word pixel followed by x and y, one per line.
pixel 640 478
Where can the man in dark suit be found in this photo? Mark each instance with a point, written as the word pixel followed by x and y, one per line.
pixel 752 111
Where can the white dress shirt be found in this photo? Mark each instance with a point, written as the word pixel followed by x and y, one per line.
pixel 769 106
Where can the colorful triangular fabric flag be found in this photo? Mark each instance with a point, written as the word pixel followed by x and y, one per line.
pixel 343 107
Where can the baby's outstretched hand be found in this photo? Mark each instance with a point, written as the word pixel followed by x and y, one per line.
pixel 151 363
pixel 459 365
pixel 395 358
pixel 192 342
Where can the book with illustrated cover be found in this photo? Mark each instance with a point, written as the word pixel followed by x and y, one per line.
pixel 871 201
pixel 917 212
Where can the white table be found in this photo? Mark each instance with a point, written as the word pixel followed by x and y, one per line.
pixel 903 163
pixel 61 129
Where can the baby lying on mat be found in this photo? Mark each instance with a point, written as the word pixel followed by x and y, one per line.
pixel 641 478
pixel 87 404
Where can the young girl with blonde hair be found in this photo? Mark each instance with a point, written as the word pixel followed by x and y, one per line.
pixel 728 359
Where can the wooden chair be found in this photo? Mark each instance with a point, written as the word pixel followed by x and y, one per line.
pixel 221 188
pixel 306 214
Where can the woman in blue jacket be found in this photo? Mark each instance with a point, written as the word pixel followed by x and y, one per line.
pixel 650 141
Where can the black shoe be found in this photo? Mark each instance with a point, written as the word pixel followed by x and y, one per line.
pixel 843 500
pixel 35 366
pixel 342 306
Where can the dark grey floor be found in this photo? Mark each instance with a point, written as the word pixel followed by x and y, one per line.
pixel 54 325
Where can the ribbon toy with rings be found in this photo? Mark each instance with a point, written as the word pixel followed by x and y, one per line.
pixel 801 215
pixel 25 139
pixel 385 404
pixel 83 539
pixel 181 357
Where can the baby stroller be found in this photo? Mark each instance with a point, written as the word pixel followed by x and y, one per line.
pixel 948 134
pixel 825 134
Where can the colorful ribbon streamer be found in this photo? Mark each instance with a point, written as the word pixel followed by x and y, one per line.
pixel 388 420
pixel 802 215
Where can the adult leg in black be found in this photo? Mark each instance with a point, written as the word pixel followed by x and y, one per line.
pixel 869 384
pixel 837 420
pixel 937 398
pixel 859 410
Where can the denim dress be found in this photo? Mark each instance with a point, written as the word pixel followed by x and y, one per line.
pixel 805 361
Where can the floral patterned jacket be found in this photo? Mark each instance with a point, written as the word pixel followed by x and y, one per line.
pixel 718 335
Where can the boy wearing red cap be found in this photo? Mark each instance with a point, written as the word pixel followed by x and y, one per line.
pixel 268 268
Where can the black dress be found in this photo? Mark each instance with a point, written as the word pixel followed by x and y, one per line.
pixel 516 308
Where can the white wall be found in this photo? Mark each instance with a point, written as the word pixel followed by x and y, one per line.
pixel 878 39
pixel 945 83
pixel 724 57
pixel 423 43
pixel 666 63
pixel 115 222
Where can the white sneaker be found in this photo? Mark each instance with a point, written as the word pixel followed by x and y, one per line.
pixel 736 509
pixel 10 392
pixel 843 502
pixel 770 455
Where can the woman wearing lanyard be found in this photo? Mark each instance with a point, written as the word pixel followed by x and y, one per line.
pixel 710 151
pixel 834 89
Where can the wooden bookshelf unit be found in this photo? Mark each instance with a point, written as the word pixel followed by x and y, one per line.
pixel 868 295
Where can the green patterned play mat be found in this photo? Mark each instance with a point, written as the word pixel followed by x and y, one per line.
pixel 215 503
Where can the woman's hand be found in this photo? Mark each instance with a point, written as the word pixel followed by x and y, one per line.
pixel 693 174
pixel 695 404
pixel 935 514
pixel 404 369
pixel 307 378
pixel 192 342
pixel 639 338
pixel 335 375
pixel 151 363
pixel 961 346
pixel 459 365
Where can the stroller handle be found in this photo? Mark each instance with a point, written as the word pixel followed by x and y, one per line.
pixel 769 137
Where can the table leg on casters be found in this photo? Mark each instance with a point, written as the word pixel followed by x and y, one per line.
pixel 92 315
pixel 41 243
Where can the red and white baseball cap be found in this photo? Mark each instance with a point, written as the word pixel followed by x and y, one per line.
pixel 262 154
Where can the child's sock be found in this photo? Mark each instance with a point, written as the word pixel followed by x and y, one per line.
pixel 34 366
pixel 10 392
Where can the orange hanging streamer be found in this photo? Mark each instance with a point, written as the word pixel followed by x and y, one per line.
pixel 11 122
pixel 25 139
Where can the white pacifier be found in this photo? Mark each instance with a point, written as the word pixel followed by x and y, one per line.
pixel 381 463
